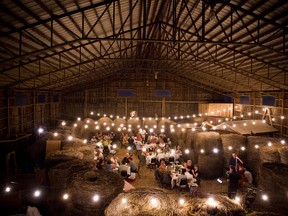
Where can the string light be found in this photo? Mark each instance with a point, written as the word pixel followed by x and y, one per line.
pixel 85 126
pixel 230 148
pixel 215 150
pixel 40 130
pixel 154 202
pixel 37 193
pixel 78 119
pixel 202 151
pixel 55 134
pixel 282 142
pixel 219 180
pixel 269 143
pixel 181 201
pixel 211 202
pixel 243 148
pixel 65 196
pixel 70 138
pixel 7 189
pixel 256 146
pixel 187 151
pixel 237 199
pixel 265 197
pixel 96 198
pixel 124 201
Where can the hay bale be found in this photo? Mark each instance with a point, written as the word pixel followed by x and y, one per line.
pixel 269 154
pixel 166 122
pixel 104 121
pixel 60 175
pixel 87 184
pixel 75 143
pixel 79 130
pixel 211 165
pixel 139 202
pixel 142 201
pixel 283 152
pixel 134 122
pixel 118 122
pixel 263 214
pixel 208 141
pixel 273 181
pixel 65 154
pixel 88 152
pixel 199 206
pixel 150 122
pixel 89 122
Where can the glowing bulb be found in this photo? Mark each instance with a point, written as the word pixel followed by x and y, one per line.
pixel 85 141
pixel 40 130
pixel 253 122
pixel 256 146
pixel 107 128
pixel 70 138
pixel 244 124
pixel 230 148
pixel 65 196
pixel 263 121
pixel 193 129
pixel 234 125
pixel 215 150
pixel 88 121
pixel 55 134
pixel 96 198
pixel 129 148
pixel 75 125
pixel 144 149
pixel 269 143
pixel 7 189
pixel 237 199
pixel 114 146
pixel 37 193
pixel 91 113
pixel 202 151
pixel 86 126
pixel 97 127
pixel 78 119
pixel 282 142
pixel 181 201
pixel 243 148
pixel 187 151
pixel 173 151
pixel 154 201
pixel 265 197
pixel 124 200
pixel 211 202
pixel 63 123
pixel 282 117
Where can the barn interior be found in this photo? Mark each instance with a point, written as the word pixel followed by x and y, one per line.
pixel 209 74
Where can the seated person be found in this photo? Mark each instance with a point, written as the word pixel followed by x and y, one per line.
pixel 109 166
pixel 181 176
pixel 162 167
pixel 126 159
pixel 189 167
pixel 114 160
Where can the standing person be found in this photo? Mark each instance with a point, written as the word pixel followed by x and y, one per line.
pixel 233 182
pixel 235 160
pixel 196 174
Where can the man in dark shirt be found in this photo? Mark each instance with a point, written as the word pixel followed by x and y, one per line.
pixel 235 160
pixel 233 182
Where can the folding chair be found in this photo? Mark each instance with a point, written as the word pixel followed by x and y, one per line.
pixel 171 160
pixel 153 162
pixel 183 184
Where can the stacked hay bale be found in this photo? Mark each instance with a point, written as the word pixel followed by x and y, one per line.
pixel 210 163
pixel 147 202
pixel 104 122
pixel 133 124
pixel 119 123
pixel 190 144
pixel 77 145
pixel 283 152
pixel 233 143
pixel 92 191
pixel 273 182
pixel 142 201
pixel 254 146
pixel 150 122
pixel 60 175
pixel 78 129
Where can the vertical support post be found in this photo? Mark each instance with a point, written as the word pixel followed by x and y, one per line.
pixel 34 108
pixel 163 107
pixel 85 103
pixel 8 111
pixel 126 106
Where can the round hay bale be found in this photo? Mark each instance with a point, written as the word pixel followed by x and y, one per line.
pixel 166 122
pixel 72 144
pixel 211 165
pixel 142 201
pixel 88 152
pixel 139 202
pixel 65 154
pixel 263 214
pixel 104 121
pixel 119 122
pixel 269 154
pixel 134 122
pixel 106 185
pixel 89 121
pixel 208 141
pixel 149 122
pixel 60 175
pixel 200 206
pixel 283 152
pixel 78 129
pixel 273 182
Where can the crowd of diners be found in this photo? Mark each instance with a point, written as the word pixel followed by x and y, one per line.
pixel 158 152
pixel 152 150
